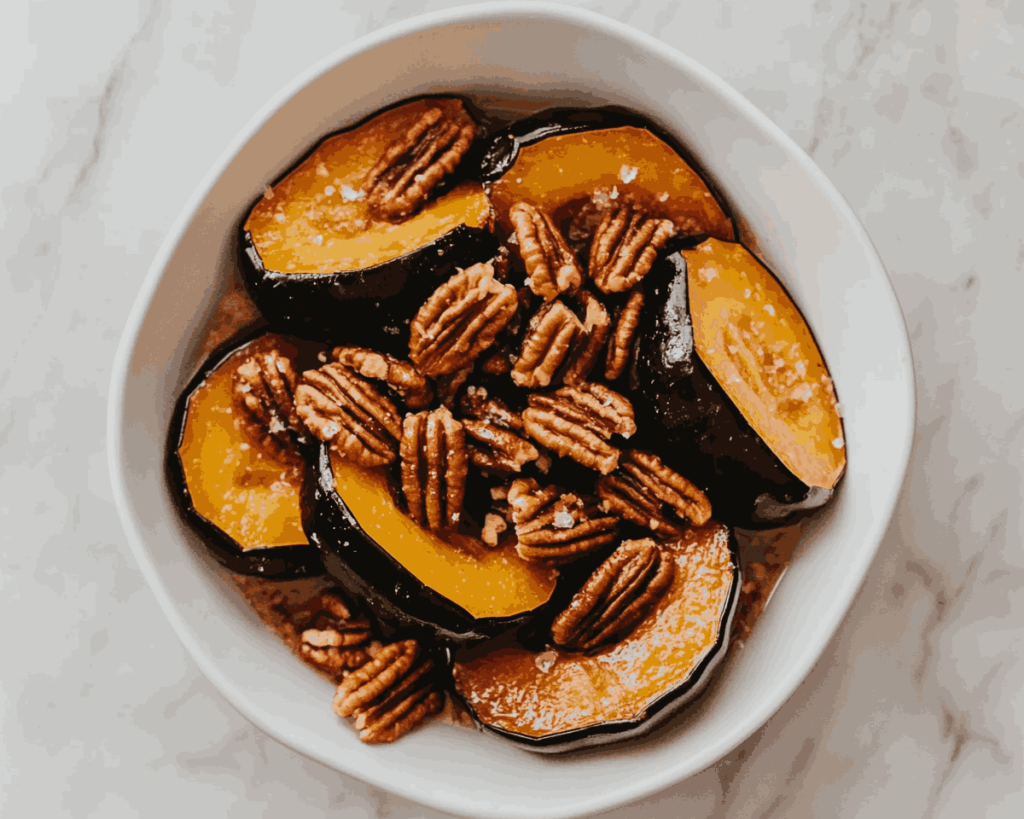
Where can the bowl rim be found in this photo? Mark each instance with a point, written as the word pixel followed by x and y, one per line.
pixel 646 783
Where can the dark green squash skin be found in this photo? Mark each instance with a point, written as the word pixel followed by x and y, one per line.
pixel 701 433
pixel 391 593
pixel 278 563
pixel 370 307
pixel 660 711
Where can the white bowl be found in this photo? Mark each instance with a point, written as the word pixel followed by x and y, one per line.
pixel 786 208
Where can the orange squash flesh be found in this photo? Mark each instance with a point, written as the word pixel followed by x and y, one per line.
pixel 248 491
pixel 519 691
pixel 559 174
pixel 759 349
pixel 485 582
pixel 316 219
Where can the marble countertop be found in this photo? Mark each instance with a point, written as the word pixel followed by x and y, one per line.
pixel 111 113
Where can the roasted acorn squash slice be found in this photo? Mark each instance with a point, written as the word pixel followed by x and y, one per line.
pixel 559 161
pixel 450 587
pixel 733 379
pixel 323 263
pixel 239 489
pixel 555 700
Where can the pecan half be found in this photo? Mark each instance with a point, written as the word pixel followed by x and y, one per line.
pixel 550 264
pixel 460 320
pixel 417 160
pixel 341 407
pixel 616 597
pixel 578 421
pixel 401 376
pixel 391 694
pixel 263 388
pixel 596 324
pixel 625 245
pixel 332 639
pixel 553 527
pixel 646 492
pixel 553 333
pixel 492 427
pixel 433 453
pixel 627 319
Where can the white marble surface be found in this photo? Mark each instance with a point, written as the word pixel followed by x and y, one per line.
pixel 110 113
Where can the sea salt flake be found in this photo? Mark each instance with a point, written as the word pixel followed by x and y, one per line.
pixel 279 217
pixel 329 190
pixel 627 173
pixel 318 239
pixel 837 443
pixel 351 194
pixel 769 309
pixel 563 520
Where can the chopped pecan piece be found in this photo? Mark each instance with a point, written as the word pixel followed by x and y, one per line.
pixel 263 388
pixel 578 421
pixel 416 161
pixel 645 491
pixel 553 527
pixel 341 407
pixel 433 453
pixel 616 597
pixel 391 694
pixel 492 427
pixel 550 264
pixel 460 320
pixel 625 245
pixel 494 525
pixel 627 319
pixel 401 376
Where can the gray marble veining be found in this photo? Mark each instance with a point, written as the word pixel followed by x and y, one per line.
pixel 109 116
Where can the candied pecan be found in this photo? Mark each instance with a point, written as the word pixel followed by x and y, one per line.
pixel 627 319
pixel 625 245
pixel 554 332
pixel 494 525
pixel 433 453
pixel 578 421
pixel 616 597
pixel 553 527
pixel 596 324
pixel 401 376
pixel 550 264
pixel 643 487
pixel 460 320
pixel 417 160
pixel 336 649
pixel 263 387
pixel 391 694
pixel 341 407
pixel 491 427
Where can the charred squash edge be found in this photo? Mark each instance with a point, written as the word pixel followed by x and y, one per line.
pixel 658 712
pixel 393 594
pixel 278 563
pixel 302 304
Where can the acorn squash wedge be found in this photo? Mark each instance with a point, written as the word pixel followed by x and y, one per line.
pixel 736 387
pixel 326 260
pixel 447 586
pixel 565 161
pixel 239 480
pixel 554 700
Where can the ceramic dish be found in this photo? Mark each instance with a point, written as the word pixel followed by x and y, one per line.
pixel 785 208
